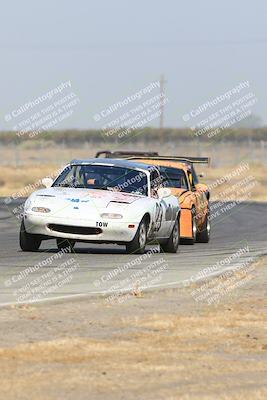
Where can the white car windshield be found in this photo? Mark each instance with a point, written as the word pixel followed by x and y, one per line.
pixel 103 177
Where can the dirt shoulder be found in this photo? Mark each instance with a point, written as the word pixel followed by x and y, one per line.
pixel 157 345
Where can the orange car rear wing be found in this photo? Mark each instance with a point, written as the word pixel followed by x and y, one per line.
pixel 191 160
pixel 126 154
pixel 151 155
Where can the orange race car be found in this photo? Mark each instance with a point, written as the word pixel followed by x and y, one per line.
pixel 179 175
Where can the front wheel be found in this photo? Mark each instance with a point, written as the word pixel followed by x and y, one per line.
pixel 173 242
pixel 138 244
pixel 27 241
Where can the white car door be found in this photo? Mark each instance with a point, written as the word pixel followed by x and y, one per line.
pixel 160 228
pixel 172 209
pixel 162 208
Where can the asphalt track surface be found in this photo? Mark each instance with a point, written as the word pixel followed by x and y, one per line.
pixel 106 270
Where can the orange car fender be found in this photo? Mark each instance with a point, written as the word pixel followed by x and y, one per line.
pixel 187 200
pixel 186 223
pixel 202 187
pixel 186 203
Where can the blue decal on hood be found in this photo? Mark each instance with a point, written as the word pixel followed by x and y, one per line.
pixel 73 200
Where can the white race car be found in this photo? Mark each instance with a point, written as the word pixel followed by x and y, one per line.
pixel 102 201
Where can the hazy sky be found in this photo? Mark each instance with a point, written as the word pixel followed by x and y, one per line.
pixel 110 49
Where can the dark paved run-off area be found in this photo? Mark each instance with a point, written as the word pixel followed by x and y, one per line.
pixel 91 269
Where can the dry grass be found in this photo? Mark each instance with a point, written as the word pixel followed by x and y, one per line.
pixel 254 189
pixel 15 180
pixel 36 163
pixel 175 356
pixel 217 352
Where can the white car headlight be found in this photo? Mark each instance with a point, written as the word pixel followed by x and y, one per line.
pixel 41 209
pixel 27 204
pixel 111 216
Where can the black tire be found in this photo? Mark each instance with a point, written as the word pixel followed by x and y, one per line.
pixel 204 235
pixel 194 229
pixel 138 244
pixel 173 242
pixel 64 244
pixel 27 241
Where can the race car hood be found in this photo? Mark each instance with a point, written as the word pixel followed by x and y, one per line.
pixel 101 198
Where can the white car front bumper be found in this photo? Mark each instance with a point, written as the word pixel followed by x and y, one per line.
pixel 107 230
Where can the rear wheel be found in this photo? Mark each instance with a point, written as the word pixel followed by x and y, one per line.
pixel 204 235
pixel 172 244
pixel 138 244
pixel 65 244
pixel 27 241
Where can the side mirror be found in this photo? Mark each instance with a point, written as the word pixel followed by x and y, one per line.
pixel 47 182
pixel 164 192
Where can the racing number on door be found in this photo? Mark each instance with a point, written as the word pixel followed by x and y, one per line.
pixel 158 216
pixel 165 214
